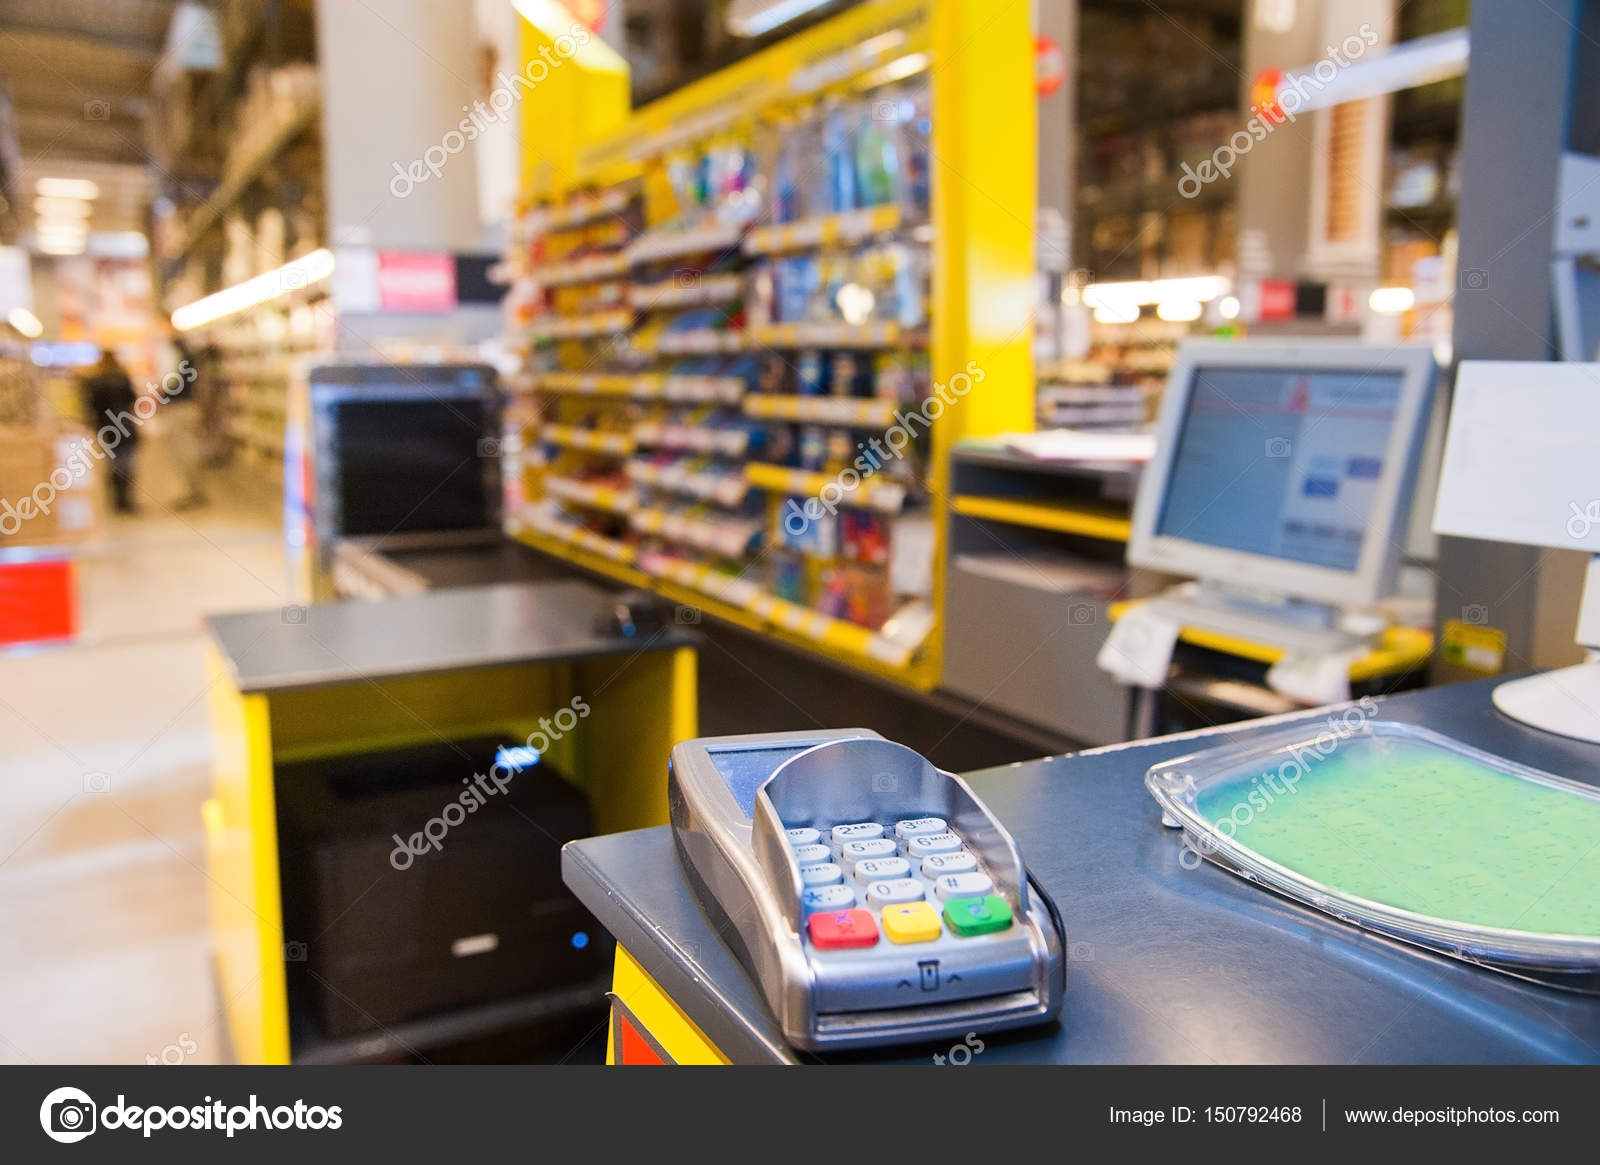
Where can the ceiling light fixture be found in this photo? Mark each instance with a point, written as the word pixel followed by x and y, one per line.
pixel 79 188
pixel 26 322
pixel 293 276
pixel 759 17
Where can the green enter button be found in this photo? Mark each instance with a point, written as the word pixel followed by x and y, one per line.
pixel 973 916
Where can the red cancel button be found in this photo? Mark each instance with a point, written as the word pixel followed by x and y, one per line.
pixel 842 928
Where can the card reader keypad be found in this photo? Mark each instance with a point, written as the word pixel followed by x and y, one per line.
pixel 911 881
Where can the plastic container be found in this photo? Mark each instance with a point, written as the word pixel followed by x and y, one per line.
pixel 1407 833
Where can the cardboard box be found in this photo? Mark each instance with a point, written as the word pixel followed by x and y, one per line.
pixel 48 489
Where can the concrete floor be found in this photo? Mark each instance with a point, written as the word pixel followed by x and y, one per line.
pixel 104 951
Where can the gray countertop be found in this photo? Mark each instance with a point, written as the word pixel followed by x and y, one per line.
pixel 1165 964
pixel 452 630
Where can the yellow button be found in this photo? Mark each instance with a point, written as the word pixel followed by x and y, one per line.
pixel 915 922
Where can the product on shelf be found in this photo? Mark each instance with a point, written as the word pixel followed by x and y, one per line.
pixel 713 378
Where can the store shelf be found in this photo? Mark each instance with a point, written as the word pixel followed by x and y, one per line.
pixel 872 494
pixel 850 227
pixel 854 412
pixel 671 243
pixel 592 497
pixel 585 383
pixel 698 389
pixel 642 386
pixel 209 212
pixel 744 604
pixel 727 537
pixel 835 335
pixel 696 438
pixel 588 440
pixel 1106 521
pixel 585 208
pixel 596 549
pixel 679 478
pixel 688 290
pixel 593 269
pixel 604 323
pixel 701 342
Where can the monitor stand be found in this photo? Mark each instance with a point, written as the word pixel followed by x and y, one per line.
pixel 1292 625
pixel 1565 701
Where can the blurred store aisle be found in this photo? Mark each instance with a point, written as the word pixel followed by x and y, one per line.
pixel 104 750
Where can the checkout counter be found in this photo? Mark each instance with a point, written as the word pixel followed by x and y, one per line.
pixel 336 724
pixel 1165 964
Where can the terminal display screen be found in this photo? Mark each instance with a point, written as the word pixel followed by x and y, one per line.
pixel 747 769
pixel 1284 464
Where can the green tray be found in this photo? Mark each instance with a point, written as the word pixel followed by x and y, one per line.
pixel 1407 833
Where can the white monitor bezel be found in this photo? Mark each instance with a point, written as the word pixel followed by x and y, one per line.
pixel 1382 546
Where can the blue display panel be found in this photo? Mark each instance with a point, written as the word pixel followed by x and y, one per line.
pixel 746 769
pixel 1279 463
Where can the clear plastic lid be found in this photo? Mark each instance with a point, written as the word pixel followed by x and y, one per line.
pixel 1407 833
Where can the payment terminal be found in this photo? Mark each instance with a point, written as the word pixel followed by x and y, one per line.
pixel 872 897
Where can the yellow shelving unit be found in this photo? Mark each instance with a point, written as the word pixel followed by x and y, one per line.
pixel 1105 520
pixel 871 494
pixel 977 60
pixel 568 437
pixel 850 227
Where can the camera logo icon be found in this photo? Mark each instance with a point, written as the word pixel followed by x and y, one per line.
pixel 1278 447
pixel 294 952
pixel 688 616
pixel 885 782
pixel 1474 279
pixel 489 448
pixel 294 616
pixel 97 111
pixel 1083 614
pixel 1475 615
pixel 67 1115
pixel 685 278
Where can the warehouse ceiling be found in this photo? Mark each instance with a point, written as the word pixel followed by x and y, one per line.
pixel 78 72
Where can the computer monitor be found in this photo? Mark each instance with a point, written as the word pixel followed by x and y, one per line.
pixel 403 449
pixel 1286 468
pixel 1520 467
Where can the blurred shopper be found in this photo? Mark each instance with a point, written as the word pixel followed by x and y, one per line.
pixel 183 422
pixel 109 397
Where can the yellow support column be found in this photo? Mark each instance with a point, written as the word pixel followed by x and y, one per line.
pixel 241 826
pixel 985 209
pixel 579 91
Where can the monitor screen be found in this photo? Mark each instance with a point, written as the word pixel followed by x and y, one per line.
pixel 411 466
pixel 1281 463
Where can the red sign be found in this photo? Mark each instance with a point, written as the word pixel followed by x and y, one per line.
pixel 1050 66
pixel 1264 96
pixel 1277 301
pixel 409 282
pixel 590 13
